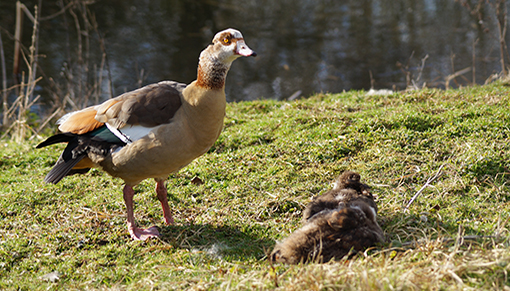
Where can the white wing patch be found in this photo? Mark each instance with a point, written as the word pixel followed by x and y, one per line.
pixel 129 134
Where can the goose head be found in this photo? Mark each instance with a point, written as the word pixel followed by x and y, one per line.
pixel 228 45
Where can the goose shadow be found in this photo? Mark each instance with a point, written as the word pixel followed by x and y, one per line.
pixel 220 241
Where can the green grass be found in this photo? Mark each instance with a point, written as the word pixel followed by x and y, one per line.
pixel 271 158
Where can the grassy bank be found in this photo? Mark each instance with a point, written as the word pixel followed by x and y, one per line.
pixel 271 158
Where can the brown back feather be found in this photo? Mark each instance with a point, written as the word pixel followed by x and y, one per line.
pixel 149 106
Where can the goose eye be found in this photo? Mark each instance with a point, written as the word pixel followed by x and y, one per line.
pixel 226 40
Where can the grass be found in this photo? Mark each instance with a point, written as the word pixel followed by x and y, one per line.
pixel 271 158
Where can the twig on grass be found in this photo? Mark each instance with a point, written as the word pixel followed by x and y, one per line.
pixel 405 69
pixel 48 119
pixel 5 105
pixel 501 16
pixel 423 188
pixel 415 83
pixel 474 61
pixel 451 77
pixel 62 11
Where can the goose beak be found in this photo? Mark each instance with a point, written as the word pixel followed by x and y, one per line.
pixel 243 50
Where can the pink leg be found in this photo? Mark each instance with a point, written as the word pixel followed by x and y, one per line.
pixel 162 196
pixel 135 232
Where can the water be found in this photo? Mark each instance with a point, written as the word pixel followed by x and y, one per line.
pixel 303 45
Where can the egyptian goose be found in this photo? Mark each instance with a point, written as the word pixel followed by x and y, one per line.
pixel 153 131
pixel 336 223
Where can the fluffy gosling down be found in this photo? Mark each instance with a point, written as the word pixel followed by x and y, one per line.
pixel 341 221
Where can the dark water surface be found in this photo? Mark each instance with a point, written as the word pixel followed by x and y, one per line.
pixel 302 45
